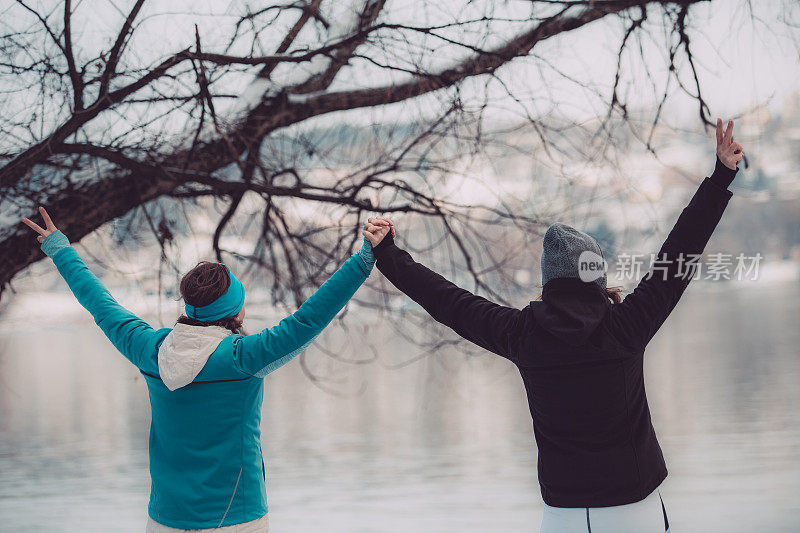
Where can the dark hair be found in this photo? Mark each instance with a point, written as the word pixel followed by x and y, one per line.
pixel 202 285
pixel 613 294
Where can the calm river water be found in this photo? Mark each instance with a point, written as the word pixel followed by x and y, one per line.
pixel 440 445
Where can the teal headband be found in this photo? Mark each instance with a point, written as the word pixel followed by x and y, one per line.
pixel 228 304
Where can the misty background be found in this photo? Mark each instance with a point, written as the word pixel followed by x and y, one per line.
pixel 387 423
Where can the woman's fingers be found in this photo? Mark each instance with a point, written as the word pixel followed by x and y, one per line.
pixel 377 230
pixel 726 140
pixel 719 131
pixel 375 237
pixel 43 232
pixel 47 220
pixel 384 222
pixel 370 237
pixel 737 148
pixel 380 221
pixel 34 226
pixel 375 233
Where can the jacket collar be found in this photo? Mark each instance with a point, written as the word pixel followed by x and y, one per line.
pixel 574 287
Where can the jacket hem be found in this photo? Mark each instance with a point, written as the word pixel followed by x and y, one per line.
pixel 241 518
pixel 623 498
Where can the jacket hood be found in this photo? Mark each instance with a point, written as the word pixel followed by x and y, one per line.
pixel 184 352
pixel 571 309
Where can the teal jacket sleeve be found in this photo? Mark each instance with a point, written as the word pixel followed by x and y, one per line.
pixel 131 335
pixel 264 352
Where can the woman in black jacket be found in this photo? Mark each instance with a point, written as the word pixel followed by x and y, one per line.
pixel 580 355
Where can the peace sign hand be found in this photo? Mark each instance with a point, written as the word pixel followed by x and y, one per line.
pixel 43 232
pixel 728 151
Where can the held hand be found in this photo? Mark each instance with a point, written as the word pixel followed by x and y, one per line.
pixel 43 232
pixel 377 228
pixel 382 221
pixel 375 234
pixel 728 151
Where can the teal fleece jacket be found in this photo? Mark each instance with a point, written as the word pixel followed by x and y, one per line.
pixel 206 465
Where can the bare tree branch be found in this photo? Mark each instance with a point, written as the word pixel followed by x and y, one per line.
pixel 163 132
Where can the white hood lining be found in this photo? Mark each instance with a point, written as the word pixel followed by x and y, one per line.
pixel 185 351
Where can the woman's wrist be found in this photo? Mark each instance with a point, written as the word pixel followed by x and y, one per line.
pixel 366 253
pixel 54 242
pixel 723 176
pixel 386 241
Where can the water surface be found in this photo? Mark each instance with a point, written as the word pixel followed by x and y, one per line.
pixel 441 445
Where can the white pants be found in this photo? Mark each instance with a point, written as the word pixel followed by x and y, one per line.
pixel 645 516
pixel 259 525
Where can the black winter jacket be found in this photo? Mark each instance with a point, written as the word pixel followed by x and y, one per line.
pixel 580 357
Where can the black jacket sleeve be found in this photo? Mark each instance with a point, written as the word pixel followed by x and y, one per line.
pixel 475 318
pixel 637 319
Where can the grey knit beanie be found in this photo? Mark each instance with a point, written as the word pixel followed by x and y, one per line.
pixel 569 253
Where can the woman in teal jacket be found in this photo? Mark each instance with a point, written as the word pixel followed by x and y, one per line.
pixel 206 384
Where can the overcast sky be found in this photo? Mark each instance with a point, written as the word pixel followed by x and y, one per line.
pixel 744 58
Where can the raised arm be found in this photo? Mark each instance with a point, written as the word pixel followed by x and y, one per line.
pixel 131 335
pixel 637 319
pixel 475 318
pixel 264 352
